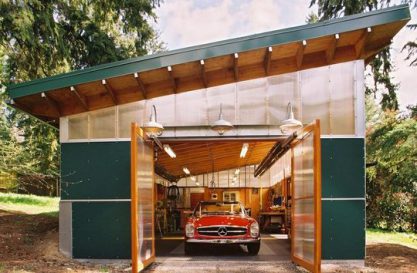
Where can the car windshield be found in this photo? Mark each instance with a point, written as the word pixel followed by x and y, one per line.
pixel 219 208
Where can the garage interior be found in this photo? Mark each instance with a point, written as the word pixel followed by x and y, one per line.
pixel 192 162
pixel 318 69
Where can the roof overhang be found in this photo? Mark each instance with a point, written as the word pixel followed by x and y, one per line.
pixel 345 39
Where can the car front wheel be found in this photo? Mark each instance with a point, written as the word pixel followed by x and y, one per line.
pixel 253 249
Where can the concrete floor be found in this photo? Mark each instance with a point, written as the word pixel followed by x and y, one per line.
pixel 274 256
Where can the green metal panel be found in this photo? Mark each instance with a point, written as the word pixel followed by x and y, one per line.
pixel 101 230
pixel 195 53
pixel 95 170
pixel 343 230
pixel 343 167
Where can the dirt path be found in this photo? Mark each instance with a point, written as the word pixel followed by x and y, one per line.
pixel 29 244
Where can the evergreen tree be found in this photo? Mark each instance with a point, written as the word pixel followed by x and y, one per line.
pixel 40 38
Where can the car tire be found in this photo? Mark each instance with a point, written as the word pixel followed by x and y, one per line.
pixel 188 249
pixel 253 248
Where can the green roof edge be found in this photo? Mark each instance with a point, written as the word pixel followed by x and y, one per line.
pixel 210 50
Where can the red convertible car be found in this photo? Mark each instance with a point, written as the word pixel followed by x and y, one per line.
pixel 215 222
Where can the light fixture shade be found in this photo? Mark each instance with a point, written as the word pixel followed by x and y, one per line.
pixel 291 124
pixel 153 127
pixel 221 125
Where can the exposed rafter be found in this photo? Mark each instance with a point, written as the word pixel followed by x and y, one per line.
pixel 172 79
pixel 300 53
pixel 267 61
pixel 82 100
pixel 140 84
pixel 360 44
pixel 110 91
pixel 332 49
pixel 52 103
pixel 203 73
pixel 236 66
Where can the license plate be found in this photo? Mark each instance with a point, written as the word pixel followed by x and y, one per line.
pixel 223 241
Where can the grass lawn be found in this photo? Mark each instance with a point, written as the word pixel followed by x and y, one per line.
pixel 29 204
pixel 375 236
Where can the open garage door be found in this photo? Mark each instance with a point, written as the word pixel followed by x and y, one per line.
pixel 306 199
pixel 142 200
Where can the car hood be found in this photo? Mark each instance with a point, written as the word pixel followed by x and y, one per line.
pixel 222 220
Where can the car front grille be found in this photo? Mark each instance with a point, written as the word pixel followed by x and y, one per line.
pixel 222 231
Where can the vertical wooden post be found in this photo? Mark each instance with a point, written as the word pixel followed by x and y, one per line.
pixel 134 198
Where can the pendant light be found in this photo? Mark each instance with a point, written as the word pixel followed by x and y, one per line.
pixel 221 125
pixel 152 127
pixel 290 124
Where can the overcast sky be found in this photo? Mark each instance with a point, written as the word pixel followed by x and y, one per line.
pixel 185 23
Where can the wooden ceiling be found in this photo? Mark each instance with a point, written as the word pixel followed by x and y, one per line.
pixel 200 156
pixel 279 58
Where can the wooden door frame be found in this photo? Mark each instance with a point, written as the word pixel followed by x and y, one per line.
pixel 313 127
pixel 137 265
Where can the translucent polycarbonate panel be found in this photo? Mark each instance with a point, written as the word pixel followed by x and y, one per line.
pixel 282 89
pixel 145 184
pixel 342 107
pixel 128 113
pixel 223 179
pixel 165 109
pixel 103 123
pixel 191 108
pixel 304 229
pixel 315 97
pixel 78 127
pixel 182 182
pixel 225 95
pixel 304 168
pixel 252 102
pixel 264 180
pixel 303 199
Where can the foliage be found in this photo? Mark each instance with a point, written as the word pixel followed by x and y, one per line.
pixel 392 180
pixel 411 46
pixel 381 66
pixel 43 38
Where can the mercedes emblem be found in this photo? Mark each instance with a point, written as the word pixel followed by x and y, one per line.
pixel 222 231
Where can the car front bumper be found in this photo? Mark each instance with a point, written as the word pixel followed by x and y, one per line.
pixel 223 241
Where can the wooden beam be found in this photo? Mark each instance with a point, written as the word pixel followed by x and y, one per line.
pixel 360 44
pixel 203 73
pixel 82 100
pixel 267 61
pixel 140 84
pixel 236 66
pixel 300 53
pixel 52 103
pixel 332 49
pixel 171 77
pixel 110 91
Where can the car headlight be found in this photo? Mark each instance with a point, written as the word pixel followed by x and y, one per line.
pixel 189 230
pixel 254 229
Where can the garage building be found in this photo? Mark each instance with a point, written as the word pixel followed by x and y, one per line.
pixel 114 187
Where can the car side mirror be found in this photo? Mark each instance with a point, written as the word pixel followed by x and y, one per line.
pixel 248 211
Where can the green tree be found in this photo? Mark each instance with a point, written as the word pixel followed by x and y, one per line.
pixel 43 38
pixel 392 178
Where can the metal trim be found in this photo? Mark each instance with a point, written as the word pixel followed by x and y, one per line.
pixel 210 50
pixel 223 241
